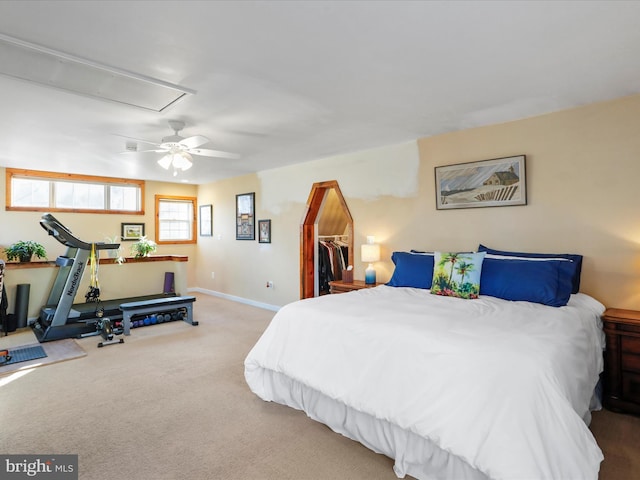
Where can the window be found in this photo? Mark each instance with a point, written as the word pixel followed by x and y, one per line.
pixel 31 190
pixel 175 219
pixel 29 193
pixel 78 195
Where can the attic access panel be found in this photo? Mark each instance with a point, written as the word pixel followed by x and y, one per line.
pixel 44 66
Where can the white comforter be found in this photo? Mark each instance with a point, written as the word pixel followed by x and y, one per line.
pixel 504 386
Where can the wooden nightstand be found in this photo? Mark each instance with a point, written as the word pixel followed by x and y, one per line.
pixel 622 360
pixel 338 286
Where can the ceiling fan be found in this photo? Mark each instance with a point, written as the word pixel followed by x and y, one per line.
pixel 179 150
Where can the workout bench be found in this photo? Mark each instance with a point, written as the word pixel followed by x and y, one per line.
pixel 156 305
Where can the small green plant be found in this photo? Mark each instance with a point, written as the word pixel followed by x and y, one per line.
pixel 24 251
pixel 143 247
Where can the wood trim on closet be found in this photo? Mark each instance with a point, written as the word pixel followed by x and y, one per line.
pixel 307 234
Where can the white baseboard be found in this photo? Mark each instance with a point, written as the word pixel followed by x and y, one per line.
pixel 234 298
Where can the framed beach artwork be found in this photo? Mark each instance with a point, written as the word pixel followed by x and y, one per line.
pixel 499 182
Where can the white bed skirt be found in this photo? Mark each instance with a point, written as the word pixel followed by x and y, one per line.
pixel 413 455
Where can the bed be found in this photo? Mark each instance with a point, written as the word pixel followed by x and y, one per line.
pixel 485 387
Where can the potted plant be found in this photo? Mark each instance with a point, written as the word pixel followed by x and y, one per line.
pixel 143 247
pixel 24 250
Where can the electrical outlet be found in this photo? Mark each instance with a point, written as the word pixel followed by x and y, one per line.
pixel 213 275
pixel 269 284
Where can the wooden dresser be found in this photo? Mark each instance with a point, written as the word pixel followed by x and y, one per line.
pixel 622 360
pixel 338 286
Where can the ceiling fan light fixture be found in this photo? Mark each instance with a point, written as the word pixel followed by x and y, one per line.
pixel 178 160
pixel 177 150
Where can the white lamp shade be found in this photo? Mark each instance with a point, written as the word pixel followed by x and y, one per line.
pixel 370 253
pixel 182 161
pixel 165 162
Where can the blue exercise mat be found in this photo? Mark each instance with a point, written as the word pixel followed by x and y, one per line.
pixel 23 354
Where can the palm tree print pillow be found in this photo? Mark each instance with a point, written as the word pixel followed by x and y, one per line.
pixel 457 274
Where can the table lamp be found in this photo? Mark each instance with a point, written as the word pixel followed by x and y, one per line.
pixel 370 253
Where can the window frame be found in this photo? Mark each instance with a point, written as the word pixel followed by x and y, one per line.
pixel 73 178
pixel 194 220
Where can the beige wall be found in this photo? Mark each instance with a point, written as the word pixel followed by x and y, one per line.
pixel 242 268
pixel 583 169
pixel 582 172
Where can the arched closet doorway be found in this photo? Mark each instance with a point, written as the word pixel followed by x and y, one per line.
pixel 326 215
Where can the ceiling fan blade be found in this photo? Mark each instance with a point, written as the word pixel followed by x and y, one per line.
pixel 156 144
pixel 195 141
pixel 145 151
pixel 206 152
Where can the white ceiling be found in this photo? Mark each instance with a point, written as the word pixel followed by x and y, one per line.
pixel 282 82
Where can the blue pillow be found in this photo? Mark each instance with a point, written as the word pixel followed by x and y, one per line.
pixel 574 268
pixel 545 281
pixel 412 270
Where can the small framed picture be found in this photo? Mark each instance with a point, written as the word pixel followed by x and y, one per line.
pixel 245 223
pixel 264 231
pixel 132 231
pixel 206 225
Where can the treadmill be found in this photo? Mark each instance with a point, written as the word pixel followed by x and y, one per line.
pixel 60 317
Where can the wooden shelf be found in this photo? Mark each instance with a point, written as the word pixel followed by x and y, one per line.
pixel 103 261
